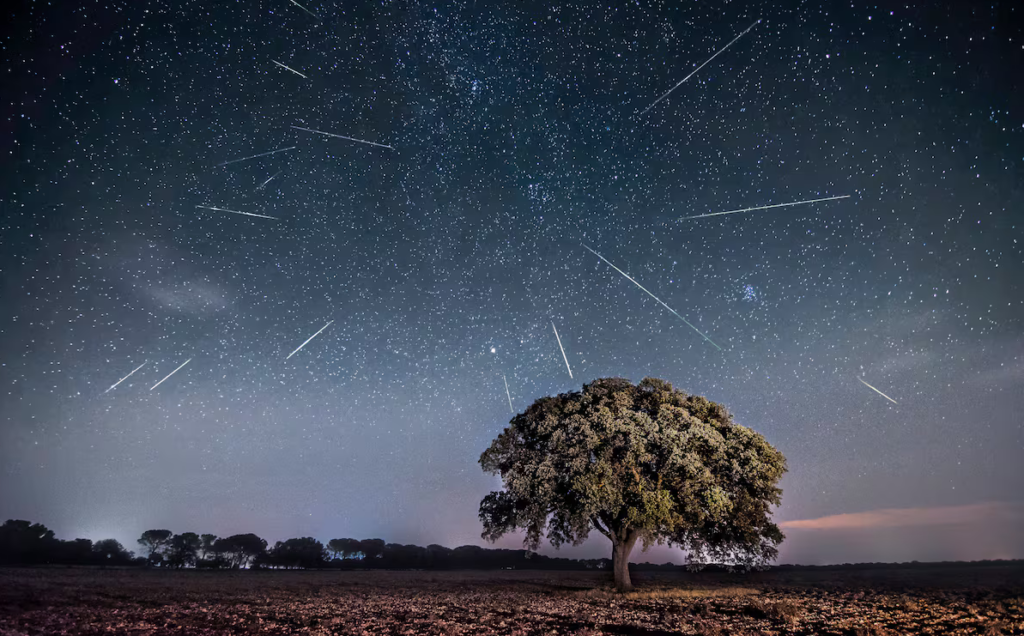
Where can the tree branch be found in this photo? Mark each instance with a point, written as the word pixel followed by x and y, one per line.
pixel 600 528
pixel 612 530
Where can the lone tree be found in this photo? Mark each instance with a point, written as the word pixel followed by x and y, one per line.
pixel 644 462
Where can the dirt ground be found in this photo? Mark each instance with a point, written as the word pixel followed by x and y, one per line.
pixel 962 600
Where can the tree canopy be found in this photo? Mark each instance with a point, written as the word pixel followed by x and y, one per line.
pixel 240 549
pixel 183 549
pixel 344 548
pixel 372 548
pixel 23 542
pixel 155 540
pixel 305 552
pixel 206 546
pixel 645 462
pixel 111 550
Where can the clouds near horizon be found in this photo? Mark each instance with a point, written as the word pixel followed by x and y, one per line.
pixel 897 517
pixel 970 532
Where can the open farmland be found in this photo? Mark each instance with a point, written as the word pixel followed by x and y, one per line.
pixel 956 600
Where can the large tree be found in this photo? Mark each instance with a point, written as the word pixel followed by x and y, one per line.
pixel 636 463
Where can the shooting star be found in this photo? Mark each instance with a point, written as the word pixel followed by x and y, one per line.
pixel 262 154
pixel 290 69
pixel 262 216
pixel 126 377
pixel 654 297
pixel 308 339
pixel 362 141
pixel 262 185
pixel 766 207
pixel 563 350
pixel 877 391
pixel 509 395
pixel 305 9
pixel 170 374
pixel 701 66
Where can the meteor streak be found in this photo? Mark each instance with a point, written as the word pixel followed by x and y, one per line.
pixel 654 297
pixel 701 66
pixel 310 338
pixel 126 377
pixel 509 395
pixel 262 154
pixel 362 141
pixel 767 207
pixel 290 69
pixel 305 9
pixel 170 374
pixel 563 350
pixel 877 391
pixel 262 216
pixel 262 185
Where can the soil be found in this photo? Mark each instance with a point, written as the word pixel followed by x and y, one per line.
pixel 957 600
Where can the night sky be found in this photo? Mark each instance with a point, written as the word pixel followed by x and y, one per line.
pixel 511 135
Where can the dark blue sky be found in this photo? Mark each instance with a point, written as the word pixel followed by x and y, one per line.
pixel 515 138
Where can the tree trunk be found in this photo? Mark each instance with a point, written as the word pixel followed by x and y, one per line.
pixel 620 562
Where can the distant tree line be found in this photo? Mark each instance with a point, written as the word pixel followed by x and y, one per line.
pixel 165 549
pixel 26 543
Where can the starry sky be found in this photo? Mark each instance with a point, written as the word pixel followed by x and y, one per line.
pixel 509 136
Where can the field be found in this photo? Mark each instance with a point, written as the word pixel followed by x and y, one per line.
pixel 961 600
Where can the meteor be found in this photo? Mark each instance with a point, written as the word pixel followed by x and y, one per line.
pixel 362 141
pixel 701 66
pixel 563 350
pixel 310 338
pixel 305 9
pixel 170 374
pixel 126 377
pixel 654 297
pixel 262 154
pixel 767 207
pixel 262 185
pixel 262 216
pixel 877 391
pixel 289 68
pixel 509 395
